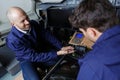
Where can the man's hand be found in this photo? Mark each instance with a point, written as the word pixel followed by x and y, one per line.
pixel 66 50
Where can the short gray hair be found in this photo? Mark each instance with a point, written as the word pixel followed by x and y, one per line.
pixel 10 15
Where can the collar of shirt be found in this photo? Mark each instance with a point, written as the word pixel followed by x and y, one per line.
pixel 23 31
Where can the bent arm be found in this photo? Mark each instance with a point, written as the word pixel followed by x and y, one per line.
pixel 27 53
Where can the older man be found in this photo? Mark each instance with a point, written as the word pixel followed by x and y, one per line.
pixel 29 41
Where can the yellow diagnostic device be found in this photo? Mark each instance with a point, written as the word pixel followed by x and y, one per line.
pixel 79 39
pixel 76 38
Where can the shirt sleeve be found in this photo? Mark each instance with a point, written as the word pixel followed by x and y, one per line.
pixel 87 73
pixel 93 69
pixel 26 53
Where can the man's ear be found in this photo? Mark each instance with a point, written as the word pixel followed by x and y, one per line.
pixel 12 23
pixel 92 33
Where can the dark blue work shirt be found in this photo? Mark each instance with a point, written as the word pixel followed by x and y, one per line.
pixel 103 61
pixel 34 46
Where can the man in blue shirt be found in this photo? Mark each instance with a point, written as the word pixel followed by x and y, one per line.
pixel 29 41
pixel 98 21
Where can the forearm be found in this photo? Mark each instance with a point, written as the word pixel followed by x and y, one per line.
pixel 27 53
pixel 33 56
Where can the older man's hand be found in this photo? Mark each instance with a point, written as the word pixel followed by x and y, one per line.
pixel 66 50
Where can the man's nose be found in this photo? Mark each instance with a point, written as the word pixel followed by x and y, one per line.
pixel 26 21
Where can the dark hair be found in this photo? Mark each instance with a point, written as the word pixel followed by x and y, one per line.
pixel 99 14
